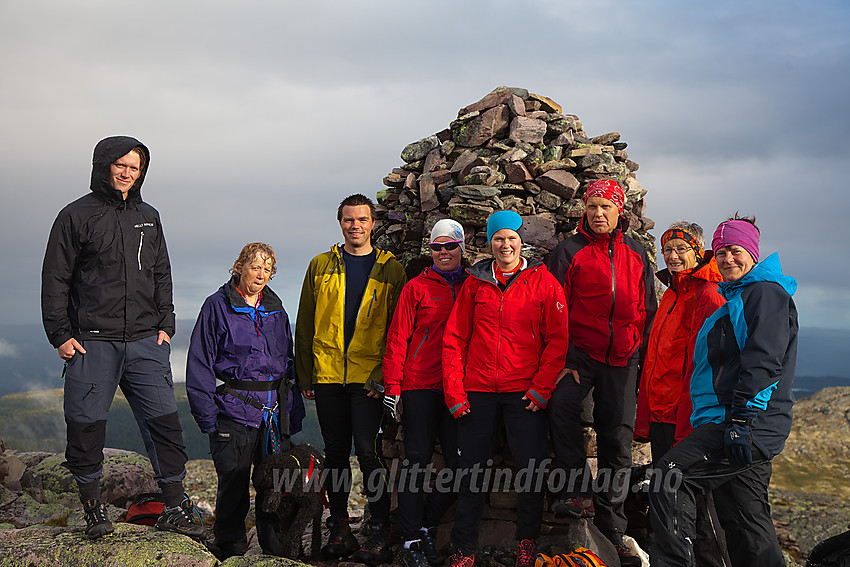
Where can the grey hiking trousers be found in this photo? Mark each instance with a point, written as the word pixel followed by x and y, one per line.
pixel 143 371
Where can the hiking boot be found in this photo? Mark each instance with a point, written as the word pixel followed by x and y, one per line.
pixel 224 551
pixel 576 507
pixel 429 547
pixel 526 553
pixel 413 556
pixel 97 522
pixel 181 520
pixel 458 559
pixel 341 542
pixel 376 549
pixel 626 557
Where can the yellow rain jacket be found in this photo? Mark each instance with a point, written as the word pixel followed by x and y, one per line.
pixel 320 354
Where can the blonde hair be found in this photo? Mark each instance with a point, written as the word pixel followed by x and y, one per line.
pixel 249 251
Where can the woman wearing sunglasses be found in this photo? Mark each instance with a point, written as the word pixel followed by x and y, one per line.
pixel 504 345
pixel 413 372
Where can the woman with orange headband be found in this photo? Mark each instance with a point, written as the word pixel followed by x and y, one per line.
pixel 691 278
pixel 664 401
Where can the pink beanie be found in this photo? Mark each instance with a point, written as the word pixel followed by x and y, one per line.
pixel 737 233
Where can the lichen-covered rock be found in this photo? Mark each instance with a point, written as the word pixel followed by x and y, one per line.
pixel 418 150
pixel 130 546
pixel 260 561
pixel 468 213
pixel 478 129
pixel 32 506
pixel 125 474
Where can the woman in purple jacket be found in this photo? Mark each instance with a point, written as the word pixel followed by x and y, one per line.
pixel 238 368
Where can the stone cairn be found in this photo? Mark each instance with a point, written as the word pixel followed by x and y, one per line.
pixel 510 150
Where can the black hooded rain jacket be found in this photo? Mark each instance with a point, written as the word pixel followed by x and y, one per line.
pixel 106 273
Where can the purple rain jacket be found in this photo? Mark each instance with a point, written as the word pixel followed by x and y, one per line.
pixel 234 341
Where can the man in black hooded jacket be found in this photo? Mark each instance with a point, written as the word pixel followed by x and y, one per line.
pixel 107 308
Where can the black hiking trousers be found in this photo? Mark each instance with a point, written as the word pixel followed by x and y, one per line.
pixel 614 404
pixel 234 447
pixel 710 541
pixel 478 432
pixel 346 413
pixel 696 465
pixel 425 419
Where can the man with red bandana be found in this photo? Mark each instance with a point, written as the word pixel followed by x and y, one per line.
pixel 608 280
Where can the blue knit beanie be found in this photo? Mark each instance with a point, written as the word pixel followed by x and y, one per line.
pixel 503 219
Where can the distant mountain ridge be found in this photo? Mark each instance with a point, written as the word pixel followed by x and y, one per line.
pixel 34 421
pixel 28 362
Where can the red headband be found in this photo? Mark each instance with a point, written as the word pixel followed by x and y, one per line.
pixel 607 189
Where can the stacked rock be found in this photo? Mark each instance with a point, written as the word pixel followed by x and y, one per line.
pixel 510 150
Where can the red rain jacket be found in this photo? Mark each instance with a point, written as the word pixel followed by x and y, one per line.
pixel 511 340
pixel 610 290
pixel 413 357
pixel 665 383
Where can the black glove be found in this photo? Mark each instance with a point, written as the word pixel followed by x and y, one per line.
pixel 738 441
pixel 391 406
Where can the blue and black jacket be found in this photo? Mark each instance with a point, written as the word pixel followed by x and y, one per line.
pixel 745 356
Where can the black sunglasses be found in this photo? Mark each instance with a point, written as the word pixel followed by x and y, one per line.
pixel 437 246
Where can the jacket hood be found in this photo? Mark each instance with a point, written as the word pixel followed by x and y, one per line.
pixel 482 269
pixel 768 270
pixel 270 303
pixel 107 151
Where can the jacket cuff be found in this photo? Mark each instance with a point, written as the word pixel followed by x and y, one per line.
pixel 538 400
pixel 743 413
pixel 62 339
pixel 458 409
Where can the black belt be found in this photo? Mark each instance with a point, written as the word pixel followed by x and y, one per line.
pixel 253 385
pixel 231 387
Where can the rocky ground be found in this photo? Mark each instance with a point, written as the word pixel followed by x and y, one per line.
pixel 41 521
pixel 804 519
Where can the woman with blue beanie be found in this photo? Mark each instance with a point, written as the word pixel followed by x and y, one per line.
pixel 504 344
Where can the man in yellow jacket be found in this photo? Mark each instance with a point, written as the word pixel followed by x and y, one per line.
pixel 347 301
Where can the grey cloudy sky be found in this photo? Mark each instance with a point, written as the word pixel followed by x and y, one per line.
pixel 262 116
